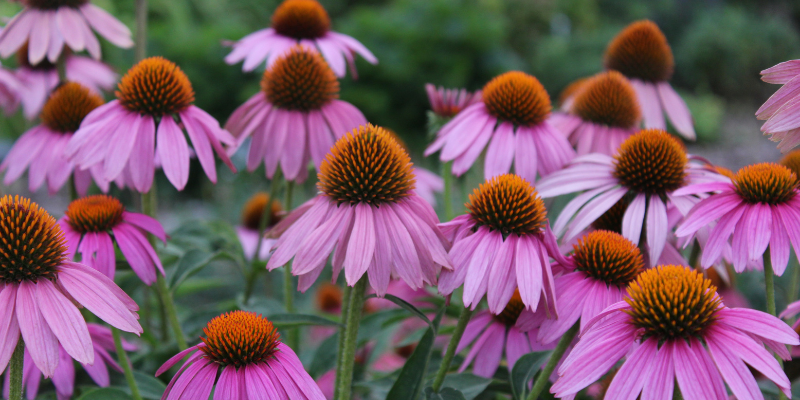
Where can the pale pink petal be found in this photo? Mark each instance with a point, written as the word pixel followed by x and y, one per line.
pixel 657 228
pixel 502 275
pixel 107 26
pixel 9 328
pixel 65 321
pixel 677 111
pixel 782 72
pixel 173 150
pixel 40 341
pixel 650 104
pixel 500 153
pixel 633 219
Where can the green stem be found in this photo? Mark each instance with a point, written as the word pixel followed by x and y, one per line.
pixel 169 310
pixel 463 319
pixel 694 255
pixel 347 353
pixel 61 67
pixel 263 223
pixel 292 334
pixel 122 357
pixel 15 373
pixel 544 376
pixel 348 292
pixel 769 281
pixel 73 191
pixel 447 174
pixel 140 50
pixel 795 284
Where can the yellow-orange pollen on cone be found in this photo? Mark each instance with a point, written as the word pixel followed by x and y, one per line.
pixel 253 211
pixel 513 310
pixel 608 99
pixel 301 19
pixel 54 4
pixel 155 86
pixel 366 166
pixel 301 80
pixel 671 302
pixel 67 106
pixel 518 98
pixel 765 183
pixel 240 338
pixel 329 298
pixel 508 204
pixel 641 51
pixel 97 213
pixel 651 161
pixel 608 257
pixel 32 244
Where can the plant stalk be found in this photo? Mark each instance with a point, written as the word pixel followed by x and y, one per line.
pixel 172 314
pixel 263 223
pixel 140 49
pixel 347 354
pixel 447 175
pixel 122 357
pixel 15 371
pixel 544 375
pixel 463 319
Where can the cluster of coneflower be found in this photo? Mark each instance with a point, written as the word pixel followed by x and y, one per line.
pixel 618 294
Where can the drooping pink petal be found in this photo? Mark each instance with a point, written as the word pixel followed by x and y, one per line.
pixel 476 280
pixel 754 354
pixel 593 210
pixel 760 324
pixel 9 328
pixel 707 211
pixel 526 158
pixel 779 246
pixel 630 379
pixel 173 150
pixel 258 384
pixel 694 379
pixel 107 26
pixel 146 223
pixel 500 154
pixel 502 275
pixel 40 341
pixel 647 95
pixel 677 111
pixel 782 72
pixel 719 236
pixel 553 150
pixel 292 156
pixel 404 254
pixel 362 244
pixel 660 383
pixel 290 241
pixel 739 379
pixel 633 219
pixel 657 228
pixel 318 245
pixel 65 321
pixel 229 385
pixel 517 345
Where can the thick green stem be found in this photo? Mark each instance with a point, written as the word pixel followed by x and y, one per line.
pixel 347 353
pixel 463 319
pixel 15 373
pixel 348 292
pixel 122 357
pixel 769 281
pixel 447 174
pixel 544 376
pixel 140 50
pixel 263 223
pixel 172 314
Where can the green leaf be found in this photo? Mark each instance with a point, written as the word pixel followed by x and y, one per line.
pixel 294 320
pixel 325 356
pixel 468 384
pixel 105 394
pixel 524 371
pixel 409 382
pixel 190 263
pixel 444 394
pixel 406 306
pixel 149 386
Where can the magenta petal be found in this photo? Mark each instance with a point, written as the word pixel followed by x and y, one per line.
pixel 500 153
pixel 292 156
pixel 258 384
pixel 147 223
pixel 229 385
pixel 657 228
pixel 142 158
pixel 201 145
pixel 9 328
pixel 65 321
pixel 736 374
pixel 173 150
pixel 661 381
pixel 39 339
pixel 476 281
pixel 502 275
pixel 529 271
pixel 487 359
pixel 362 244
pixel 175 359
pixel 95 292
pixel 630 379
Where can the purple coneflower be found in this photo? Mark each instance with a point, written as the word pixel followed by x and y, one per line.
pixel 512 114
pixel 295 117
pixel 41 150
pixel 254 364
pixel 93 224
pixel 153 107
pixel 299 22
pixel 642 54
pixel 41 290
pixel 446 103
pixel 502 244
pixel 781 110
pixel 672 327
pixel 248 231
pixel 48 25
pixel 368 215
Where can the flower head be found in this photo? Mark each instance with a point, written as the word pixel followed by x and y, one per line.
pixel 89 224
pixel 671 327
pixel 121 138
pixel 41 289
pixel 249 232
pixel 757 208
pixel 41 149
pixel 253 362
pixel 512 114
pixel 652 162
pixel 299 22
pixel 76 20
pixel 299 102
pixel 446 103
pixel 642 54
pixel 367 214
pixel 781 111
pixel 504 240
pixel 607 99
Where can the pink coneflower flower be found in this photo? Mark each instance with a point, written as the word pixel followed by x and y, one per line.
pixel 602 114
pixel 781 110
pixel 512 114
pixel 595 276
pixel 641 53
pixel 48 25
pixel 299 22
pixel 648 168
pixel 759 209
pixel 446 103
pixel 502 244
pixel 10 90
pixel 93 224
pixel 41 289
pixel 248 231
pixel 567 96
pixel 673 327
pixel 124 135
pixel 64 376
pixel 368 212
pixel 427 182
pixel 40 150
pixel 296 116
pixel 512 331
pixel 254 364
pixel 41 79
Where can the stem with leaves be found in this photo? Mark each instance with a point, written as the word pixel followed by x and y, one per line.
pixel 122 357
pixel 463 319
pixel 347 353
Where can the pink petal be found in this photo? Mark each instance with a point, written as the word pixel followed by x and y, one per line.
pixel 500 153
pixel 677 111
pixel 657 228
pixel 528 271
pixel 782 72
pixel 39 339
pixel 173 150
pixel 784 95
pixel 362 244
pixel 526 157
pixel 502 275
pixel 651 108
pixel 633 219
pixel 476 279
pixel 9 328
pixel 661 381
pixel 65 321
pixel 630 379
pixel 107 26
